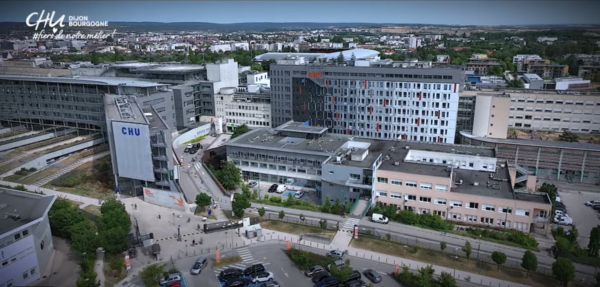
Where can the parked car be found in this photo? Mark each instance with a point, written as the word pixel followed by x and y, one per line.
pixel 592 202
pixel 299 194
pixel 281 189
pixel 337 254
pixel 320 276
pixel 198 266
pixel 354 276
pixel 273 188
pixel 563 220
pixel 328 282
pixel 270 284
pixel 596 207
pixel 379 218
pixel 167 280
pixel 256 268
pixel 237 282
pixel 230 274
pixel 355 283
pixel 373 275
pixel 252 184
pixel 312 271
pixel 261 277
pixel 336 264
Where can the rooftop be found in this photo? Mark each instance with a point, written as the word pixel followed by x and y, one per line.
pixel 219 141
pixel 358 53
pixel 171 69
pixel 532 77
pixel 18 208
pixel 270 139
pixel 536 143
pixel 123 108
pixel 480 183
pixel 102 81
pixel 154 120
pixel 300 128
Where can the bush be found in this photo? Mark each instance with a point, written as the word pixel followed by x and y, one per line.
pixel 304 259
pixel 426 220
pixel 70 182
pixel 275 199
pixel 514 236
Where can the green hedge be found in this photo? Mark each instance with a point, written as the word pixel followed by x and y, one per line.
pixel 514 236
pixel 411 218
pixel 304 259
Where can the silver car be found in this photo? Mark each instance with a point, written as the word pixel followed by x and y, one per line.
pixel 167 280
pixel 198 266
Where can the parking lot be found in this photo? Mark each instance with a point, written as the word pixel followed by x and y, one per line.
pixel 584 218
pixel 309 196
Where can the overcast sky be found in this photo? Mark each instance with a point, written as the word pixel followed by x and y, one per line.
pixel 481 12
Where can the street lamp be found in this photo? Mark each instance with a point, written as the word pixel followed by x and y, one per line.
pixel 506 212
pixel 479 248
pixel 446 222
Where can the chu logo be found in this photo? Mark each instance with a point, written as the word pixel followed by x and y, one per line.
pixel 130 131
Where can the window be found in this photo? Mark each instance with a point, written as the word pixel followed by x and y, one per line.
pixel 441 187
pixel 501 222
pixel 25 232
pixel 440 201
pixel 424 199
pixel 471 218
pixel 382 180
pixel 440 213
pixel 487 220
pixel 454 215
pixel 17 236
pixel 456 203
pixel 410 197
pixel 354 176
pixel 25 274
pixel 425 185
pixel 472 205
pixel 488 207
pixel 331 172
pixel 395 195
pixel 396 182
pixel 382 193
pixel 411 183
pixel 32 271
pixel 505 210
pixel 522 212
pixel 424 210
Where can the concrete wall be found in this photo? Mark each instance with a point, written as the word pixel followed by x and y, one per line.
pixel 35 71
pixel 334 178
pixel 165 198
pixel 88 72
pixel 5 130
pixel 192 134
pixel 20 143
pixel 41 161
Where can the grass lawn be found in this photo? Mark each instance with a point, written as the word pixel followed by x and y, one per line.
pixel 445 259
pixel 296 228
pixel 89 187
pixel 499 241
pixel 231 217
pixel 227 261
pixel 86 189
pixel 95 210
pixel 14 178
pixel 12 165
pixel 49 170
pixel 205 214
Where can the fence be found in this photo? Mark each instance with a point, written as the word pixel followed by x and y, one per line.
pixel 214 178
pixel 331 225
pixel 457 250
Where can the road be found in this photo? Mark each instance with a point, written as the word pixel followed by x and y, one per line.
pixel 410 233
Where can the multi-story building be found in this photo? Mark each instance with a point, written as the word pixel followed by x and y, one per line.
pixel 571 83
pixel 141 155
pixel 527 62
pixel 368 99
pixel 243 108
pixel 548 70
pixel 589 72
pixel 26 241
pixel 532 81
pixel 519 60
pixel 464 184
pixel 481 67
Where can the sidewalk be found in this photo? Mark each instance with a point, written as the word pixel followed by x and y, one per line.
pixel 85 201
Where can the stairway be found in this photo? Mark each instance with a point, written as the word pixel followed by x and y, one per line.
pixel 359 208
pixel 69 168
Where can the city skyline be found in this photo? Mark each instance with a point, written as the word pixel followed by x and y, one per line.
pixel 393 12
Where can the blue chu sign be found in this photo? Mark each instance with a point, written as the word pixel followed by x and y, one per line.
pixel 131 131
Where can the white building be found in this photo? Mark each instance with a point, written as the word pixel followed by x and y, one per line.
pixel 25 238
pixel 519 59
pixel 237 107
pixel 570 83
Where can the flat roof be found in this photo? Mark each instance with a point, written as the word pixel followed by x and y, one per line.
pixel 134 65
pixel 18 208
pixel 170 68
pixel 270 139
pixel 219 141
pixel 155 121
pixel 102 81
pixel 123 108
pixel 300 128
pixel 498 187
pixel 532 77
pixel 535 143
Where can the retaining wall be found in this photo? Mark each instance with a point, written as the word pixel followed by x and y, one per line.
pixel 19 143
pixel 192 134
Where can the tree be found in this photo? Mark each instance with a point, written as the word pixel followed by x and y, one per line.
pixel 567 136
pixel 257 67
pixel 281 214
pixel 238 131
pixel 443 246
pixel 326 207
pixel 151 274
pixel 563 246
pixel 239 204
pixel 499 258
pixel 515 84
pixel 302 217
pixel 594 244
pixel 87 278
pixel 113 226
pixel 261 211
pixel 496 71
pixel 73 50
pixel 342 274
pixel 529 262
pixel 572 235
pixel 446 280
pixel 63 217
pixel 229 175
pixel 563 270
pixel 467 249
pixel 203 200
pixel 340 58
pixel 84 238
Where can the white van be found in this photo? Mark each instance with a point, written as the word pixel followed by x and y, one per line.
pixel 281 189
pixel 379 218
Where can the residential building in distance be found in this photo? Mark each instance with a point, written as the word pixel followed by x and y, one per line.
pixel 589 71
pixel 368 98
pixel 519 59
pixel 548 70
pixel 571 83
pixel 527 62
pixel 481 66
pixel 532 81
pixel 25 237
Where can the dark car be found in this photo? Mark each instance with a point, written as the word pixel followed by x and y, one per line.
pixel 320 276
pixel 230 274
pixel 193 151
pixel 273 188
pixel 186 150
pixel 198 146
pixel 354 276
pixel 256 268
pixel 328 282
pixel 373 275
pixel 237 282
pixel 356 283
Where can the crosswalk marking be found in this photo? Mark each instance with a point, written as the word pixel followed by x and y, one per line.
pixel 349 224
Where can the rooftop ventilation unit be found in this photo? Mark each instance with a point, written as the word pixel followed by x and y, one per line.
pixel 396 163
pixel 407 147
pixel 476 184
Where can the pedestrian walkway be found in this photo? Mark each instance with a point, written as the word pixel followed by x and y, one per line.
pixel 349 224
pixel 81 199
pixel 246 256
pixel 240 265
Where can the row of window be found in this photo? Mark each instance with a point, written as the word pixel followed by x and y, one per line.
pixel 274 167
pixel 15 237
pixel 453 203
pixel 409 183
pixel 550 102
pixel 557 111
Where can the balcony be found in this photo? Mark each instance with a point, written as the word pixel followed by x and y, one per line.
pixel 158 144
pixel 160 157
pixel 162 183
pixel 540 219
pixel 161 170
